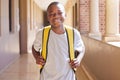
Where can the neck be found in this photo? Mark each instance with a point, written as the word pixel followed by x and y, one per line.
pixel 58 30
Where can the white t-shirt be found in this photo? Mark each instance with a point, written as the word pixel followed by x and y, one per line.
pixel 57 65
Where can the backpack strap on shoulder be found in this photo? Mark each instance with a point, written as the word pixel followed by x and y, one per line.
pixel 45 38
pixel 70 38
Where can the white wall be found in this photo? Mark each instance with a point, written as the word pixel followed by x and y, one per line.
pixel 9 42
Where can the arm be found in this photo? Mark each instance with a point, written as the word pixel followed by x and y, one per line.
pixel 35 53
pixel 39 59
pixel 76 62
pixel 36 47
pixel 79 50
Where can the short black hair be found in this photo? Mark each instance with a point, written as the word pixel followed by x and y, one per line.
pixel 53 3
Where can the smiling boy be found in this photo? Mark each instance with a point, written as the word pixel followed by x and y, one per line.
pixel 53 47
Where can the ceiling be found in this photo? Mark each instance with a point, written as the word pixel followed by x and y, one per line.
pixel 44 3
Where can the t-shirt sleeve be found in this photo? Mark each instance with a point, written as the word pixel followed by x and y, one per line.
pixel 78 42
pixel 38 41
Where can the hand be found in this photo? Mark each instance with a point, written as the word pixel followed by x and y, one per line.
pixel 74 63
pixel 40 60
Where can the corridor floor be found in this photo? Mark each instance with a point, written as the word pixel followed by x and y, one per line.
pixel 23 68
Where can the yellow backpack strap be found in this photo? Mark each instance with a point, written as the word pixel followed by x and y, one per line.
pixel 45 38
pixel 70 38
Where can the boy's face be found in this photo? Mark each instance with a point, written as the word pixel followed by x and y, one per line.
pixel 56 15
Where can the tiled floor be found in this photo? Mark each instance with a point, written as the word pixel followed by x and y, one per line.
pixel 23 68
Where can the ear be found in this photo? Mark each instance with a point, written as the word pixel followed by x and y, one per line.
pixel 65 15
pixel 48 22
pixel 47 18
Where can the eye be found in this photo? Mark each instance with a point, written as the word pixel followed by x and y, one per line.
pixel 51 15
pixel 59 13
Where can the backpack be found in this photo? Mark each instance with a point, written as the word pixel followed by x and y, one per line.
pixel 45 38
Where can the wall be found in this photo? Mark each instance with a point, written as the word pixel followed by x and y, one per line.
pixel 69 17
pixel 70 13
pixel 38 15
pixel 102 14
pixel 9 41
pixel 85 16
pixel 102 59
pixel 36 21
pixel 31 18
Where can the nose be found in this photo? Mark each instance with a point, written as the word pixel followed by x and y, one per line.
pixel 55 15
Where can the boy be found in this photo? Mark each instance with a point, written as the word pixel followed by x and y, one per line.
pixel 57 65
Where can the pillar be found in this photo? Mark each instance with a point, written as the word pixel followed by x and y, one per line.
pixel 94 20
pixel 112 21
pixel 23 26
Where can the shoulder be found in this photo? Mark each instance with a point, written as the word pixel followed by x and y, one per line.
pixel 77 34
pixel 76 31
pixel 68 27
pixel 40 31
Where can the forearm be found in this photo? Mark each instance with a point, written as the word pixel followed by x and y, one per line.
pixel 78 58
pixel 35 53
pixel 81 54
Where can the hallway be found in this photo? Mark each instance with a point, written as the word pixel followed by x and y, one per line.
pixel 24 68
pixel 97 20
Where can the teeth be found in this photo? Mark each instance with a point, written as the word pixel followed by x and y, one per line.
pixel 56 20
